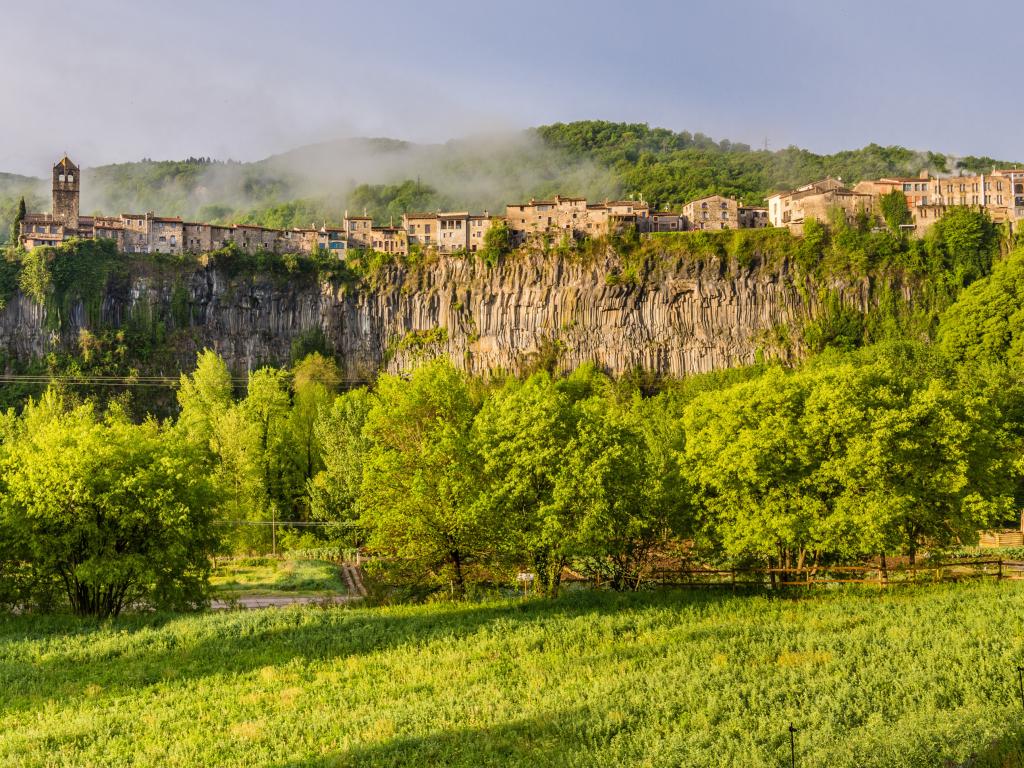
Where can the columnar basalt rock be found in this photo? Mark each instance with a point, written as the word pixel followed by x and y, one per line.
pixel 692 316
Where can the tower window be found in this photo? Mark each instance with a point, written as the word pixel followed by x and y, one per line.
pixel 61 177
pixel 71 179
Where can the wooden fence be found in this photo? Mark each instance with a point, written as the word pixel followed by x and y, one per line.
pixel 1007 537
pixel 823 575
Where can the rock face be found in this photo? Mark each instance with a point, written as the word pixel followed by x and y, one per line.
pixel 682 317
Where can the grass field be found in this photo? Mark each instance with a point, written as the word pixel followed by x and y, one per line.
pixel 905 678
pixel 267 576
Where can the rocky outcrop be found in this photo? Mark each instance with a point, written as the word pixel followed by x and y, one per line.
pixel 681 317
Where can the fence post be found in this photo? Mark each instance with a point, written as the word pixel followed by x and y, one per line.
pixel 999 574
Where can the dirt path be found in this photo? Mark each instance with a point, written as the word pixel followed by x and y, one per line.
pixel 278 601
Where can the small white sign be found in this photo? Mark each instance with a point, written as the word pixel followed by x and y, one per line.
pixel 524 576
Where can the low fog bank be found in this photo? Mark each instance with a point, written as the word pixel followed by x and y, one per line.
pixel 479 173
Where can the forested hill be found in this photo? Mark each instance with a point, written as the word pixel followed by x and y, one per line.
pixel 387 178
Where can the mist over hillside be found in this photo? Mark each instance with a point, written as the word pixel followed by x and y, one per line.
pixel 387 177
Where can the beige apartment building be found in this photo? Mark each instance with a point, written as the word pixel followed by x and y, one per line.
pixel 1000 194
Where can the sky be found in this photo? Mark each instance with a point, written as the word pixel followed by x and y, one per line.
pixel 119 80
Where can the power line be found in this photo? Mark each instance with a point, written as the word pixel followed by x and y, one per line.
pixel 125 381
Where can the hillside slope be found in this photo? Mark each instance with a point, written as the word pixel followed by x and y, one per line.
pixel 596 159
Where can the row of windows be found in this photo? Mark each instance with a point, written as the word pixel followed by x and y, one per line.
pixel 975 187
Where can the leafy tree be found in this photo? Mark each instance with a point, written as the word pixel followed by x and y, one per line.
pixel 872 453
pixel 986 323
pixel 117 512
pixel 418 501
pixel 965 242
pixel 203 398
pixel 497 242
pixel 334 491
pixel 521 435
pixel 314 381
pixel 19 217
pixel 34 280
pixel 894 210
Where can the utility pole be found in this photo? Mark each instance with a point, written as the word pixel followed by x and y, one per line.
pixel 792 746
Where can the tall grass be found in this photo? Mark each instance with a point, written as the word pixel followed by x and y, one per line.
pixel 907 678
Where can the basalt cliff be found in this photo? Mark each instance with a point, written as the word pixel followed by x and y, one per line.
pixel 673 318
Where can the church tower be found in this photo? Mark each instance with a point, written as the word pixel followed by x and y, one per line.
pixel 65 193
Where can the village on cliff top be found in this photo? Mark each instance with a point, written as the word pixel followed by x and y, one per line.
pixel 1000 194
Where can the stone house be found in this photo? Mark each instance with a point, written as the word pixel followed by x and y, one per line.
pixel 358 231
pixel 453 231
pixel 816 200
pixel 752 217
pixel 167 234
pixel 479 224
pixel 390 240
pixel 666 221
pixel 712 212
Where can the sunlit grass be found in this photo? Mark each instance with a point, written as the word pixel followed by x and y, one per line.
pixel 903 678
pixel 268 576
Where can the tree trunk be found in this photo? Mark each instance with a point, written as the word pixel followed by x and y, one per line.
pixel 460 584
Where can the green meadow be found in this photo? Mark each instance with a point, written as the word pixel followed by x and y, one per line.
pixel 916 677
pixel 277 577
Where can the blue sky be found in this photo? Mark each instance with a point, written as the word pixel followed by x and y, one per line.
pixel 111 81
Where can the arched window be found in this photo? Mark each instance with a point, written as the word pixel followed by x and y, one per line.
pixel 71 179
pixel 61 177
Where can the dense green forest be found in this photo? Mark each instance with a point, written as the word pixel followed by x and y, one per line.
pixel 387 178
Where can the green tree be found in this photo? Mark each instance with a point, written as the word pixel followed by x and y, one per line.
pixel 894 210
pixel 965 242
pixel 986 323
pixel 203 397
pixel 418 500
pixel 19 216
pixel 521 434
pixel 497 242
pixel 118 513
pixel 314 382
pixel 334 491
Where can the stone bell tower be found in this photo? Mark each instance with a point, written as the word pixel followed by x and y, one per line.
pixel 65 193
